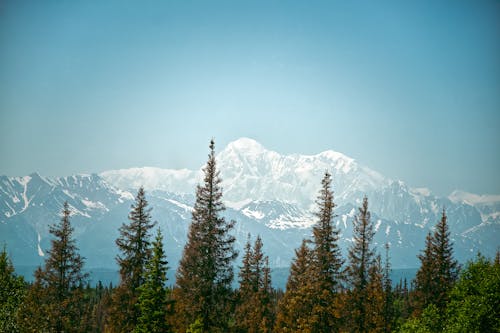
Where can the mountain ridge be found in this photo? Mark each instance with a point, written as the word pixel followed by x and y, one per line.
pixel 265 192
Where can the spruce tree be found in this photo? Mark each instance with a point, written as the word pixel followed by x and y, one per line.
pixel 446 265
pixel 361 259
pixel 388 313
pixel 135 247
pixel 438 271
pixel 325 274
pixel 296 305
pixel 205 271
pixel 253 312
pixel 58 287
pixel 153 298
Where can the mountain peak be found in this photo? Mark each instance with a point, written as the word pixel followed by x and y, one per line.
pixel 246 145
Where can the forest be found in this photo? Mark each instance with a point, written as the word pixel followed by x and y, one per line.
pixel 325 291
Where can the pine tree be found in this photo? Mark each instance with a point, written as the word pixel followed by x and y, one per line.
pixel 326 262
pixel 12 293
pixel 361 259
pixel 253 312
pixel 134 245
pixel 58 287
pixel 296 305
pixel 153 298
pixel 438 270
pixel 205 271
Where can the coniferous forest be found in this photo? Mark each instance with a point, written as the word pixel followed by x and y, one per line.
pixel 325 292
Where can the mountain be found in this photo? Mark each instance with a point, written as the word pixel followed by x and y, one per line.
pixel 265 192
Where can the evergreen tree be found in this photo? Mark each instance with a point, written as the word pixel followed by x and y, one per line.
pixel 438 270
pixel 326 263
pixel 253 312
pixel 474 304
pixel 361 259
pixel 12 293
pixel 388 313
pixel 58 287
pixel 153 299
pixel 205 271
pixel 134 245
pixel 446 265
pixel 296 305
pixel 374 307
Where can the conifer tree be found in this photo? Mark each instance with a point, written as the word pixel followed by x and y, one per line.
pixel 446 265
pixel 374 306
pixel 361 259
pixel 205 271
pixel 296 305
pixel 58 287
pixel 12 292
pixel 153 298
pixel 135 247
pixel 326 263
pixel 253 312
pixel 438 270
pixel 388 313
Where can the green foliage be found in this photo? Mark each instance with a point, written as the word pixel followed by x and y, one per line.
pixel 438 271
pixel 153 298
pixel 361 260
pixel 475 299
pixel 196 327
pixel 325 269
pixel 205 271
pixel 296 305
pixel 254 312
pixel 56 298
pixel 135 249
pixel 12 293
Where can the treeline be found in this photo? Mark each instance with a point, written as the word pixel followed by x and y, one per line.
pixel 325 292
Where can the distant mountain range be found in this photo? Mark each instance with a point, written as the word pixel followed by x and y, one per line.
pixel 265 192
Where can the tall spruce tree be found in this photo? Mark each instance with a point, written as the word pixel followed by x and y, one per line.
pixel 438 271
pixel 135 247
pixel 253 312
pixel 57 291
pixel 153 298
pixel 325 268
pixel 205 271
pixel 296 305
pixel 361 259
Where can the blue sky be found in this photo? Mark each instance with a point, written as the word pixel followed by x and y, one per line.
pixel 408 88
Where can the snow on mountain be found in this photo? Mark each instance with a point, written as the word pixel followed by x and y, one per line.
pixel 265 192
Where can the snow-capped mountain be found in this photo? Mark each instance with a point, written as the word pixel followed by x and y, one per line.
pixel 265 192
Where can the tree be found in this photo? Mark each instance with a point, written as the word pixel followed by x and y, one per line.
pixel 253 312
pixel 438 270
pixel 296 305
pixel 361 259
pixel 474 301
pixel 12 293
pixel 153 298
pixel 205 270
pixel 325 269
pixel 134 245
pixel 389 311
pixel 58 287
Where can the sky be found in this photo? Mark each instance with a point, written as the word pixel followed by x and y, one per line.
pixel 408 88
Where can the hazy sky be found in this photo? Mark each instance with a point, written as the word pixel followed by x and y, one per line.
pixel 408 88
